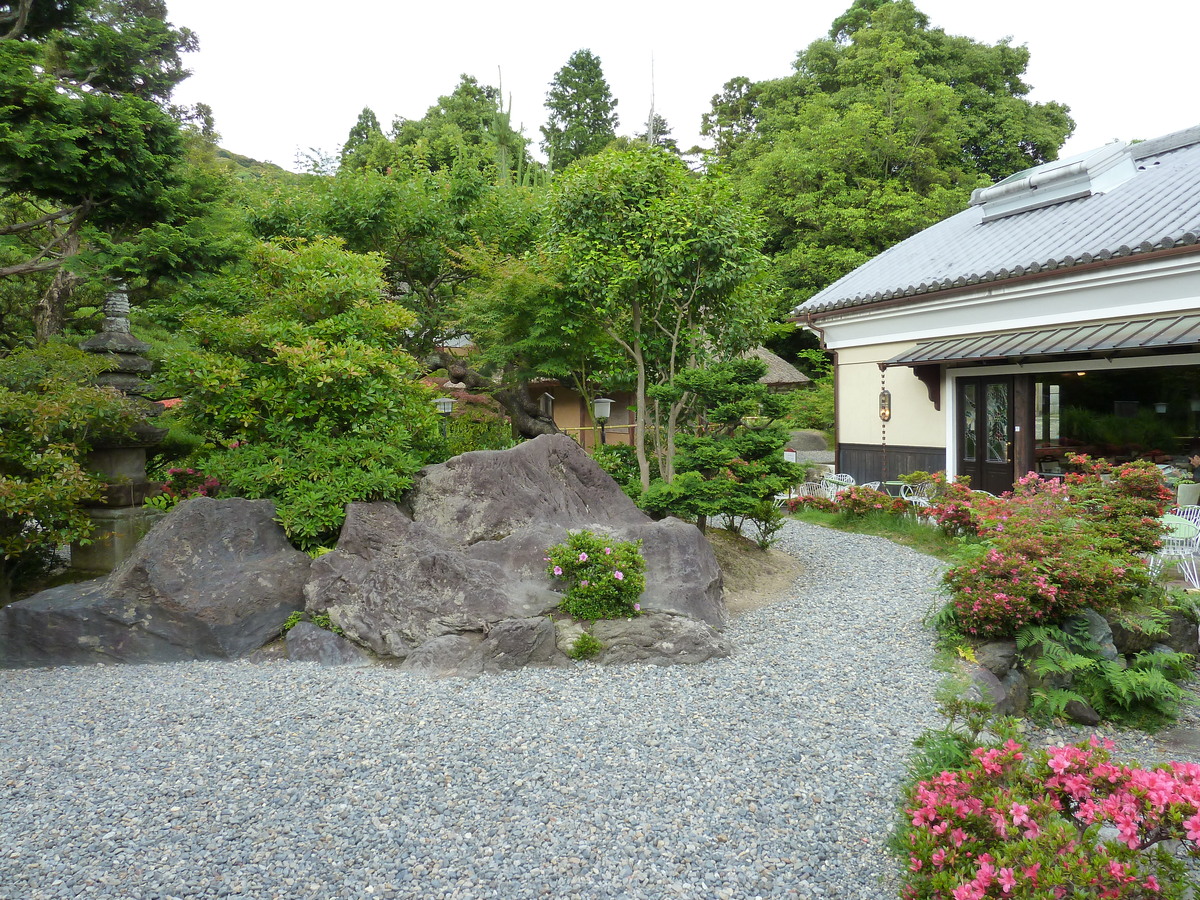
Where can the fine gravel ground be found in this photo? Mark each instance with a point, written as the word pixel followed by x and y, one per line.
pixel 773 773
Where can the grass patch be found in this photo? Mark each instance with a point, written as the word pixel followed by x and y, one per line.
pixel 906 530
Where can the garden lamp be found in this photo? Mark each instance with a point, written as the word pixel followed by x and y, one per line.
pixel 601 408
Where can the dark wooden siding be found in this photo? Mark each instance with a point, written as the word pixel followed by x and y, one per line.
pixel 871 462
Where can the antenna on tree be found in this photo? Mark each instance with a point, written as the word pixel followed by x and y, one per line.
pixel 650 136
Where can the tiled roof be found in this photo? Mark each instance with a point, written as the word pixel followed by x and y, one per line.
pixel 1156 209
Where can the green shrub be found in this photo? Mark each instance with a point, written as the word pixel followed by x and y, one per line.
pixel 604 578
pixel 812 407
pixel 1142 693
pixel 620 461
pixel 585 647
pixel 301 393
pixel 321 620
pixel 50 417
pixel 183 484
pixel 477 423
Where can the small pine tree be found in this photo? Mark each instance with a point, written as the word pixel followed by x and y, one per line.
pixel 732 463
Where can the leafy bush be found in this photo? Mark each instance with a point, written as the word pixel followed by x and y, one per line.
pixel 477 423
pixel 321 620
pixel 301 393
pixel 1142 693
pixel 1014 823
pixel 860 501
pixel 585 647
pixel 1051 548
pixel 812 407
pixel 50 417
pixel 620 461
pixel 183 484
pixel 604 578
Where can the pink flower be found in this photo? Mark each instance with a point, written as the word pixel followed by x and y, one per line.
pixel 608 551
pixel 637 607
pixel 558 570
pixel 1008 880
pixel 583 583
pixel 619 575
pixel 583 557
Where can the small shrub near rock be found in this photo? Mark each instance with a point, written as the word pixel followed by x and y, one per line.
pixel 585 647
pixel 604 578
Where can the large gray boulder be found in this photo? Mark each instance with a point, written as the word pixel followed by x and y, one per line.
pixel 214 579
pixel 392 584
pixel 454 581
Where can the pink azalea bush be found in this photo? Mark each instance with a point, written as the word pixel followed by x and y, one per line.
pixel 1018 824
pixel 604 579
pixel 1053 547
pixel 861 501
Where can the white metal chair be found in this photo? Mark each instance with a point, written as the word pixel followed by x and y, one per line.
pixel 919 495
pixel 873 485
pixel 1181 544
pixel 835 484
pixel 810 489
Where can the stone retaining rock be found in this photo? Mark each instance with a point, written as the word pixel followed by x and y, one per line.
pixel 214 579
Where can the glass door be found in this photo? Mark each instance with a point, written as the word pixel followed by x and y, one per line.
pixel 986 432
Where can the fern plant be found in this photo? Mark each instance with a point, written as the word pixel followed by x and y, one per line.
pixel 1142 693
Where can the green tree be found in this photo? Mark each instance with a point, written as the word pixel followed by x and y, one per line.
pixel 730 461
pixel 883 130
pixel 87 143
pixel 299 387
pixel 658 134
pixel 733 118
pixel 665 264
pixel 467 125
pixel 365 132
pixel 582 111
pixel 50 414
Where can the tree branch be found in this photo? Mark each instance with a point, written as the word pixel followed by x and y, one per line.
pixel 525 414
pixel 19 19
pixel 20 227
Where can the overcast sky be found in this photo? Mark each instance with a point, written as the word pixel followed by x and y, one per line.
pixel 284 76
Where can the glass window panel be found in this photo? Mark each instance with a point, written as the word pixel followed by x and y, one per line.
pixel 997 423
pixel 970 417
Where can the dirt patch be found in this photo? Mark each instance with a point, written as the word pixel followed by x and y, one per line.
pixel 754 578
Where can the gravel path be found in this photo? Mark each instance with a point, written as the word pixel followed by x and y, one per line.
pixel 773 773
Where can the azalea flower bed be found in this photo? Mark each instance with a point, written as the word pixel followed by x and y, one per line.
pixel 1051 548
pixel 1066 822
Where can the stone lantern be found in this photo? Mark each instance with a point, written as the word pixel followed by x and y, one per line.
pixel 119 517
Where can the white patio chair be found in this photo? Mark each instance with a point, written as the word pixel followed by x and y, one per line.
pixel 1181 544
pixel 918 495
pixel 873 485
pixel 810 489
pixel 835 484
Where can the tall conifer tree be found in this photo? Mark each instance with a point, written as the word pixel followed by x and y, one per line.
pixel 583 116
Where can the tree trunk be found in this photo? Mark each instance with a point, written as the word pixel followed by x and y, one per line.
pixel 51 310
pixel 639 427
pixel 527 417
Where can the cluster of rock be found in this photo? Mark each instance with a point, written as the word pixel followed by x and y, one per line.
pixel 1006 677
pixel 452 582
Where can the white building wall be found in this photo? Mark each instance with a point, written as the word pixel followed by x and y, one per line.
pixel 915 421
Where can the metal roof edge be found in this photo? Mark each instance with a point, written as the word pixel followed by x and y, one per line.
pixel 1124 255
